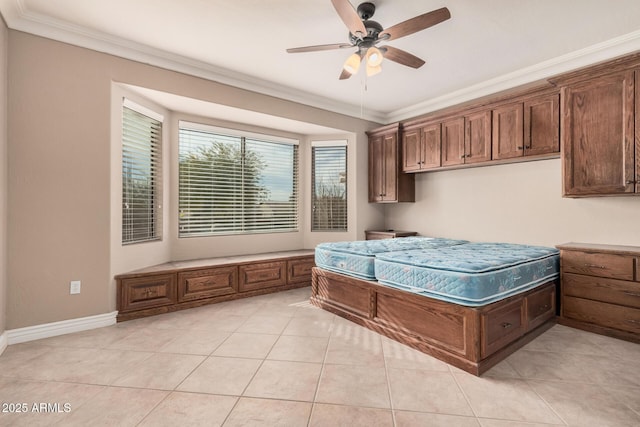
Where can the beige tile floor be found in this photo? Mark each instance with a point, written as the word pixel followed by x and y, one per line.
pixel 275 360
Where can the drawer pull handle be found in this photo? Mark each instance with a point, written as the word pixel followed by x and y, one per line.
pixel 506 325
pixel 635 322
pixel 632 294
pixel 543 308
pixel 596 266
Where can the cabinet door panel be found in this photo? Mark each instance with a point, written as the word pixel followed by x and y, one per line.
pixel 542 125
pixel 453 142
pixel 376 172
pixel 507 141
pixel 431 147
pixel 478 137
pixel 390 175
pixel 411 155
pixel 598 139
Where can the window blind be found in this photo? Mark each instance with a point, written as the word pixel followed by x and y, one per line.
pixel 329 188
pixel 230 183
pixel 141 177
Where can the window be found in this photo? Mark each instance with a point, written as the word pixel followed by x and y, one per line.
pixel 234 182
pixel 329 186
pixel 141 179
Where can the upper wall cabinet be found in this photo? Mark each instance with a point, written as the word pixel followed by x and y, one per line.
pixel 520 127
pixel 528 128
pixel 599 133
pixel 387 184
pixel 421 147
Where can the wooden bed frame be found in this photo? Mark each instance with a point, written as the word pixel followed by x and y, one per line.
pixel 471 338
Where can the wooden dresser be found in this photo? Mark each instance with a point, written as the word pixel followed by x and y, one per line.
pixel 600 289
pixel 387 234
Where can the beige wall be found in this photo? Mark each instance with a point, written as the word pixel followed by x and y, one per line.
pixel 60 173
pixel 3 176
pixel 518 203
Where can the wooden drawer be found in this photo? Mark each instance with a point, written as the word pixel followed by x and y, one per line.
pixel 501 326
pixel 147 292
pixel 211 282
pixel 598 264
pixel 602 314
pixel 601 289
pixel 540 306
pixel 299 270
pixel 262 275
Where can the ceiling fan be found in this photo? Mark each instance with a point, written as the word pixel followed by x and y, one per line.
pixel 365 34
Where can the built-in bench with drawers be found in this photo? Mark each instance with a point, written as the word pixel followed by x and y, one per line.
pixel 185 284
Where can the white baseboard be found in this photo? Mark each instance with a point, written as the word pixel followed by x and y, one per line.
pixel 47 330
pixel 3 342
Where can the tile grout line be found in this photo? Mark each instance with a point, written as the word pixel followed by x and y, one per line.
pixel 324 360
pixel 386 373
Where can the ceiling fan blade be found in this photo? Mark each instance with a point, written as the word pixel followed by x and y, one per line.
pixel 416 24
pixel 344 74
pixel 319 47
pixel 349 16
pixel 401 57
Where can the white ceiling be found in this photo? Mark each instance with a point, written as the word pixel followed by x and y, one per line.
pixel 485 47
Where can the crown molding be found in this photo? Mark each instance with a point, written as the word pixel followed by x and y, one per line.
pixel 593 54
pixel 18 17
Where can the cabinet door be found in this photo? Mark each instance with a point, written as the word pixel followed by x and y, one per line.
pixel 598 136
pixel 390 168
pixel 507 141
pixel 431 146
pixel 453 142
pixel 477 139
pixel 542 125
pixel 376 166
pixel 411 151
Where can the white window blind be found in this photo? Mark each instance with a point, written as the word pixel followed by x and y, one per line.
pixel 232 183
pixel 141 177
pixel 329 186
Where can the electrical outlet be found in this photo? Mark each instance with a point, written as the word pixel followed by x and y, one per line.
pixel 74 287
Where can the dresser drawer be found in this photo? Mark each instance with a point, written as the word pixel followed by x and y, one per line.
pixel 601 313
pixel 598 264
pixel 146 292
pixel 299 270
pixel 541 306
pixel 601 289
pixel 262 275
pixel 207 283
pixel 501 326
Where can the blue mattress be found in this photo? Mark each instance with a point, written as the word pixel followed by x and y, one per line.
pixel 472 274
pixel 356 258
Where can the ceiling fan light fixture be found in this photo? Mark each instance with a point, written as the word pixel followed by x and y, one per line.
pixel 372 71
pixel 374 56
pixel 352 64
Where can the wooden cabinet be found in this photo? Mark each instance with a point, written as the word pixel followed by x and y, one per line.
pixel 154 290
pixel 421 147
pixel 477 137
pixel 467 140
pixel 205 283
pixel 453 142
pixel 600 289
pixel 185 284
pixel 528 128
pixel 387 234
pixel 387 183
pixel 599 136
pixel 262 275
pixel 542 125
